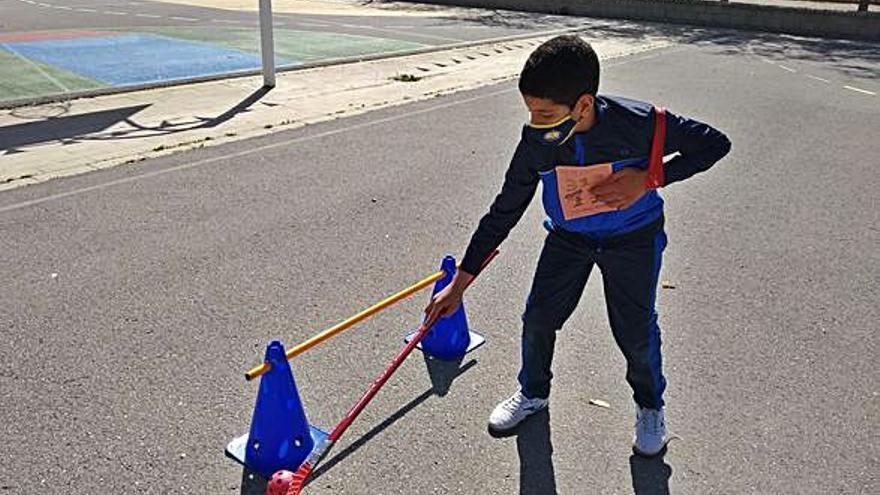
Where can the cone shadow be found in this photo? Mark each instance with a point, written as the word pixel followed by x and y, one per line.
pixel 443 373
pixel 252 482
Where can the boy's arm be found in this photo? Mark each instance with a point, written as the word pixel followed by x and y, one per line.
pixel 699 145
pixel 520 183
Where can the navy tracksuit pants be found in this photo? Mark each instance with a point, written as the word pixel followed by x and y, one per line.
pixel 630 266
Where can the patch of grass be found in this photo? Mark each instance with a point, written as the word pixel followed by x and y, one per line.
pixel 406 78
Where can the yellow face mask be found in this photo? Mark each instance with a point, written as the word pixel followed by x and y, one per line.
pixel 555 134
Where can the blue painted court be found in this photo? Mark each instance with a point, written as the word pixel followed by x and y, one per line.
pixel 147 57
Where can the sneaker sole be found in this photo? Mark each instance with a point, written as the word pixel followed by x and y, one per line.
pixel 646 455
pixel 506 432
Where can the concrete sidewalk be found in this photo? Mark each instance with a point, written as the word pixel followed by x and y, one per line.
pixel 54 140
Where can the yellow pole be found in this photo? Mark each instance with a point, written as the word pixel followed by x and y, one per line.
pixel 339 327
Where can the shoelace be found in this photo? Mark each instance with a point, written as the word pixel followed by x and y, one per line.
pixel 512 404
pixel 650 419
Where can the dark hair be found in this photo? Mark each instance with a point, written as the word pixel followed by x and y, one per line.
pixel 561 69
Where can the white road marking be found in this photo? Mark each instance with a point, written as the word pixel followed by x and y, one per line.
pixel 397 31
pixel 225 21
pixel 115 13
pixel 233 156
pixel 149 16
pixel 859 90
pixel 86 10
pixel 826 81
pixel 789 69
pixel 312 24
pixel 62 7
pixel 190 19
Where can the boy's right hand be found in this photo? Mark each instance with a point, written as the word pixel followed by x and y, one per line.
pixel 447 301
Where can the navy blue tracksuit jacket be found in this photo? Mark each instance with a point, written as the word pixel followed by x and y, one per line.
pixel 626 245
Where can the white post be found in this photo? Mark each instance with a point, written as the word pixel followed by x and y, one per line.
pixel 267 43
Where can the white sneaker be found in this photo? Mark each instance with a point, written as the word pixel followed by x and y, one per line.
pixel 650 436
pixel 513 411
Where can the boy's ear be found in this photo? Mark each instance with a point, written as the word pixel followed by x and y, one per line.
pixel 584 105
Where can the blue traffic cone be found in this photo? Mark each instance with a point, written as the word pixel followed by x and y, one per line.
pixel 280 436
pixel 450 338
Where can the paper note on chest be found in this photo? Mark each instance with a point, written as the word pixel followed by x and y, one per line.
pixel 574 185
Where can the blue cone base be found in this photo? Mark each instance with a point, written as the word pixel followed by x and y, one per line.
pixel 476 341
pixel 236 448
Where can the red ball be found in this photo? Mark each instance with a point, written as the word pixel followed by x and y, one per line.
pixel 279 483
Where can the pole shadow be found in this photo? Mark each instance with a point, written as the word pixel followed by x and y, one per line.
pixel 442 374
pixel 64 129
pixel 93 126
pixel 650 475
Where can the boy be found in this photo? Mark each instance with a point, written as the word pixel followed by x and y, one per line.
pixel 601 211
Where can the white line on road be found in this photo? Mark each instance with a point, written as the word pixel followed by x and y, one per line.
pixel 150 16
pixel 62 7
pixel 787 68
pixel 859 90
pixel 826 81
pixel 398 31
pixel 312 24
pixel 190 19
pixel 115 13
pixel 233 156
pixel 86 10
pixel 225 21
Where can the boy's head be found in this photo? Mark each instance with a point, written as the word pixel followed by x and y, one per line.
pixel 560 78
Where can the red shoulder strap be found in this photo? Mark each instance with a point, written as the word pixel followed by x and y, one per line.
pixel 656 177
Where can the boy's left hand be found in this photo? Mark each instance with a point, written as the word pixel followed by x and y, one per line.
pixel 622 188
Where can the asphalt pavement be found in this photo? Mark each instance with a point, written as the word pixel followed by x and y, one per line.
pixel 32 15
pixel 71 46
pixel 134 298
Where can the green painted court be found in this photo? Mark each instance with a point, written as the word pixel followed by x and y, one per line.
pixel 44 63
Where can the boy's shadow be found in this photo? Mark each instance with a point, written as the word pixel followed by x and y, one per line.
pixel 650 476
pixel 535 448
